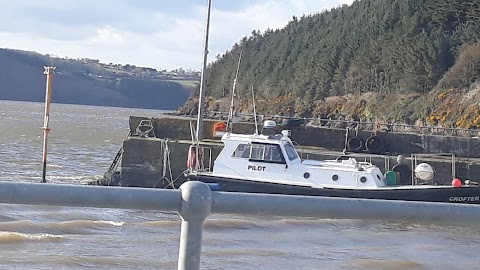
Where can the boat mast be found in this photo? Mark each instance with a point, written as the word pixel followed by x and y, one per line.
pixel 232 105
pixel 201 99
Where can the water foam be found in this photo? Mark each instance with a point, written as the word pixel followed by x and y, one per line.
pixel 15 237
pixel 79 224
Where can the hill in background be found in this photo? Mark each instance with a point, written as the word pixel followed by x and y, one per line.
pixel 89 82
pixel 404 61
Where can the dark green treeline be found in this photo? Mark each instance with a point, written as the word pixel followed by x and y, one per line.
pixel 381 46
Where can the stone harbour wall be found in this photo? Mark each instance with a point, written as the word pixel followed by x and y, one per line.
pixel 329 138
pixel 145 163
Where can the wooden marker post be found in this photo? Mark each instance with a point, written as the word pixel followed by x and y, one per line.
pixel 49 71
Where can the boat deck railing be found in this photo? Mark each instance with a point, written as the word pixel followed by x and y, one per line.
pixel 384 162
pixel 195 201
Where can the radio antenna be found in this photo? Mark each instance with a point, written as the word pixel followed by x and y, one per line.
pixel 254 112
pixel 232 105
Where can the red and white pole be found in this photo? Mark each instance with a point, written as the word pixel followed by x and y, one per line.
pixel 49 71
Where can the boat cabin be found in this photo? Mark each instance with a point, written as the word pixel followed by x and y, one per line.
pixel 274 159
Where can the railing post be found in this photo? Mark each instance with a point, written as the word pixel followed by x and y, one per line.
pixel 196 206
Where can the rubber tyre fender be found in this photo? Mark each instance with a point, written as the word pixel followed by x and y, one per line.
pixel 354 144
pixel 374 144
pixel 292 122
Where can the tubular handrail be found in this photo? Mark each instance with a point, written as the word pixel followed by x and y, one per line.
pixel 195 201
pixel 368 125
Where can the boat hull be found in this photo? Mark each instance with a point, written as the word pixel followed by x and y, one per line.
pixel 465 195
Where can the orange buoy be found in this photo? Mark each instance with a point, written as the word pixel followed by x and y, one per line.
pixel 219 129
pixel 456 182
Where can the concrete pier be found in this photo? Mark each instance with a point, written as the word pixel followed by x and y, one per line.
pixel 330 138
pixel 155 154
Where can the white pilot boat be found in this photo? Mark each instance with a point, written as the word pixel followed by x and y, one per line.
pixel 260 163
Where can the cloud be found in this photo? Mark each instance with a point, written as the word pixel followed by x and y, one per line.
pixel 108 36
pixel 159 34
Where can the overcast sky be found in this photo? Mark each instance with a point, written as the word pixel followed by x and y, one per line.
pixel 162 34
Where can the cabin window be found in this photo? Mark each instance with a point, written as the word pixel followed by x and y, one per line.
pixel 267 153
pixel 291 152
pixel 272 153
pixel 242 151
pixel 258 152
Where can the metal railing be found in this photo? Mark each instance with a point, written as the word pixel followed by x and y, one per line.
pixel 195 201
pixel 361 125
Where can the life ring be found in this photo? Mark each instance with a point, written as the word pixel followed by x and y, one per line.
pixel 374 144
pixel 354 144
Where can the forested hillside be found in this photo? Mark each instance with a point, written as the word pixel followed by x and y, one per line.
pixel 89 82
pixel 388 59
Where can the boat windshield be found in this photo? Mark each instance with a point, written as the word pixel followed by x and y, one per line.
pixel 259 152
pixel 291 152
pixel 242 151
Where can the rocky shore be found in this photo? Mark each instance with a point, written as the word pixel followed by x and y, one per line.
pixel 444 109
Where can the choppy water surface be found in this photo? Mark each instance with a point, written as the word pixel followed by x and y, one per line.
pixel 83 142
